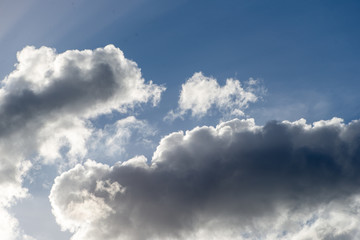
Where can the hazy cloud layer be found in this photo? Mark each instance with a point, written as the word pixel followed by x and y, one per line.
pixel 46 104
pixel 287 180
pixel 115 141
pixel 200 93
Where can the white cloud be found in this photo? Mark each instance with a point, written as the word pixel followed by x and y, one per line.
pixel 72 209
pixel 284 180
pixel 9 227
pixel 47 102
pixel 200 93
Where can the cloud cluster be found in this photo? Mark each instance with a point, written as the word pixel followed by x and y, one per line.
pixel 284 180
pixel 50 91
pixel 200 93
pixel 47 101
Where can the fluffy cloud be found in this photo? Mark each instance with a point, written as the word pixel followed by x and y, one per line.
pixel 200 93
pixel 50 97
pixel 284 180
pixel 47 102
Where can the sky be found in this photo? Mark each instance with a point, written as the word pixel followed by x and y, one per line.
pixel 154 119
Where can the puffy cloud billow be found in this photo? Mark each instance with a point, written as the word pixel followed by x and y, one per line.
pixel 47 102
pixel 199 94
pixel 284 180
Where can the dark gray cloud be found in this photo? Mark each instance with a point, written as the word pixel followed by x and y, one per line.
pixel 72 94
pixel 285 179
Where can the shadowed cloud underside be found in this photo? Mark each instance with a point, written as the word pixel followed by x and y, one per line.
pixel 236 180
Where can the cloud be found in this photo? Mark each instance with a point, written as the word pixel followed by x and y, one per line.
pixel 9 228
pixel 200 93
pixel 50 91
pixel 284 180
pixel 47 102
pixel 116 141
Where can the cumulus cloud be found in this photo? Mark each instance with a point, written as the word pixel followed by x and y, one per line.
pixel 47 102
pixel 284 180
pixel 200 93
pixel 50 96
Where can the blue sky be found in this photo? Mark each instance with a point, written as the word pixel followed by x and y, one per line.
pixel 304 56
pixel 302 50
